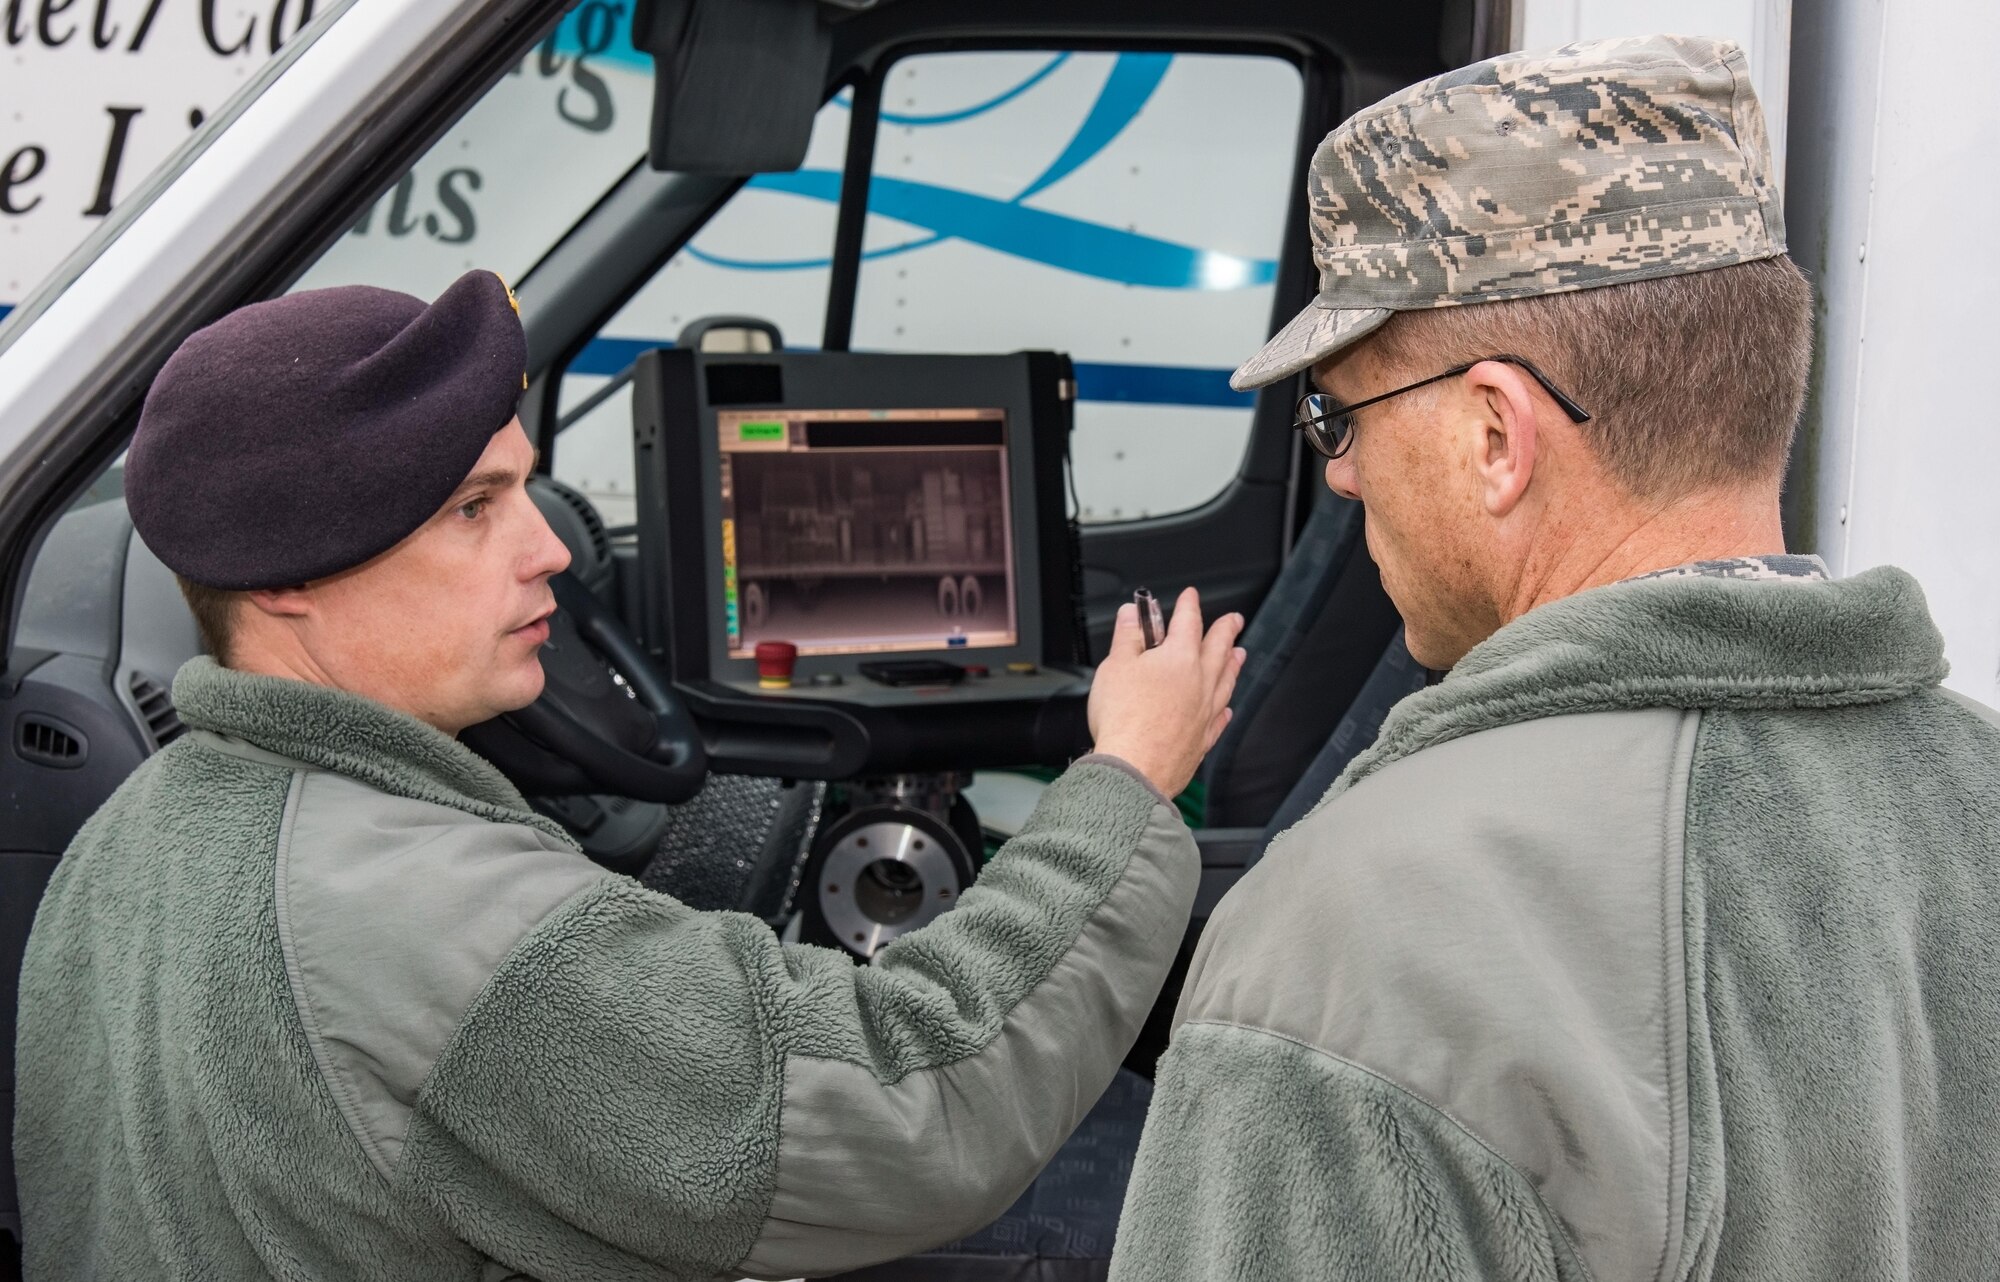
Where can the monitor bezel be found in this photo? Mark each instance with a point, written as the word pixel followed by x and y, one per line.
pixel 677 450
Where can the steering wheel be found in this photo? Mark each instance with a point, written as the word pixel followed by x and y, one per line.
pixel 607 721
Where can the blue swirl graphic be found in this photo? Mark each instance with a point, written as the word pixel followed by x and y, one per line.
pixel 1014 228
pixel 846 99
pixel 1132 81
pixel 1073 244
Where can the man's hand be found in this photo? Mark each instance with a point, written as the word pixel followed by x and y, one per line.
pixel 1161 709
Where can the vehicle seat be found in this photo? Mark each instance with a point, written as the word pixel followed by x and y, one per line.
pixel 102 631
pixel 1396 675
pixel 1313 645
pixel 738 845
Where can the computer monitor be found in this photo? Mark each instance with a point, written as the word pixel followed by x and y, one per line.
pixel 862 506
pixel 866 531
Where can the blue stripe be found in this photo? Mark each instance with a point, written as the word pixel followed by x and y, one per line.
pixel 1159 385
pixel 1095 381
pixel 1130 384
pixel 1127 384
pixel 610 357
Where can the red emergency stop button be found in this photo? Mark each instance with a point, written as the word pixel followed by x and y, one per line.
pixel 775 661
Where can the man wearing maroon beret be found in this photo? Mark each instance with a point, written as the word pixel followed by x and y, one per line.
pixel 316 995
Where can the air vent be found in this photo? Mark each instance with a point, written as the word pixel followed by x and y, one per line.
pixel 48 742
pixel 154 704
pixel 593 525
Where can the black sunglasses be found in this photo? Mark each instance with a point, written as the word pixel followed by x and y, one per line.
pixel 1329 425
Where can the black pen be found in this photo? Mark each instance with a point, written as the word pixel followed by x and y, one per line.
pixel 1151 625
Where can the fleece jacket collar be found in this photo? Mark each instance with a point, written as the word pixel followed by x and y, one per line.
pixel 334 730
pixel 1680 643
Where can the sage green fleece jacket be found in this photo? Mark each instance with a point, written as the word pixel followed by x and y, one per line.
pixel 316 996
pixel 1661 940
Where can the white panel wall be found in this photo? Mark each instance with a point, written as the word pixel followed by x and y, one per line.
pixel 1762 27
pixel 1891 111
pixel 1896 114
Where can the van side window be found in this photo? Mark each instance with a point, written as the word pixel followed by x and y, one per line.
pixel 767 253
pixel 1124 207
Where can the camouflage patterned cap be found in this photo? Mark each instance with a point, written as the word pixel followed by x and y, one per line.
pixel 1533 173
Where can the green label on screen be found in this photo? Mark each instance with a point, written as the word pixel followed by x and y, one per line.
pixel 763 431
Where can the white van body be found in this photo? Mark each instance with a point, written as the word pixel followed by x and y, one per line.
pixel 1883 117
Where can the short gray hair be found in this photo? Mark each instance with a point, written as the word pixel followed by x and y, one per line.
pixel 1692 381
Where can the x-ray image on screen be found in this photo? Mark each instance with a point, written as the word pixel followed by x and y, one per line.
pixel 863 530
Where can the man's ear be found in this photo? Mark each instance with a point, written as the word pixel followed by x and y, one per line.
pixel 284 603
pixel 1504 456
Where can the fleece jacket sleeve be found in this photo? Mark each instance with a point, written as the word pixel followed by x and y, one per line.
pixel 643 1090
pixel 1267 1160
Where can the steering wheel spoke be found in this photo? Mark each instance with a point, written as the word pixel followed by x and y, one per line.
pixel 607 721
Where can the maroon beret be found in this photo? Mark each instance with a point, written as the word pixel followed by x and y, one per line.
pixel 299 437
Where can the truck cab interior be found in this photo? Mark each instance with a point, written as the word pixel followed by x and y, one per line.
pixel 836 343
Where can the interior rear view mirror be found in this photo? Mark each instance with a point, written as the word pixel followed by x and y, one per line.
pixel 736 83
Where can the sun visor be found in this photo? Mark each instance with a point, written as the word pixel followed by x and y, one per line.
pixel 736 83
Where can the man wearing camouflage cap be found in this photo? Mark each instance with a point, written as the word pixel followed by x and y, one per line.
pixel 1659 940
